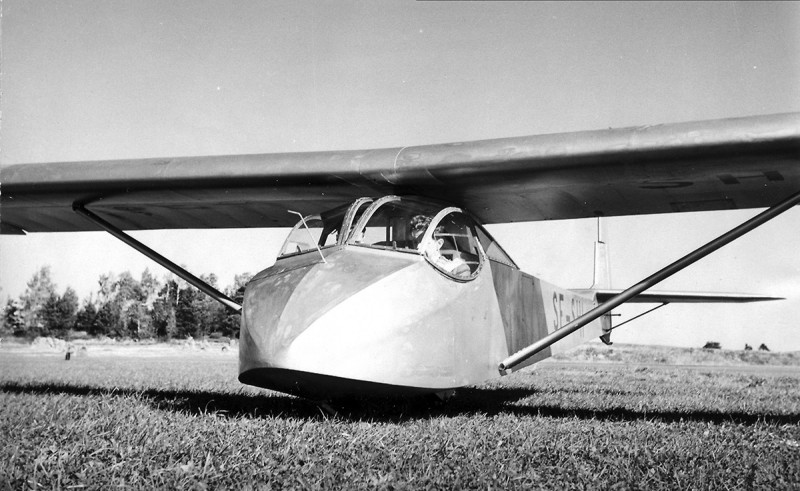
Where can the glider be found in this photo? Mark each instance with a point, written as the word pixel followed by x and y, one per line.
pixel 388 282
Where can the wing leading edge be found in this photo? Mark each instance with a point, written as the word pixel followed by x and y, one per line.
pixel 708 165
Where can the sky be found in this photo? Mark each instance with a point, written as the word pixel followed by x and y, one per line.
pixel 84 80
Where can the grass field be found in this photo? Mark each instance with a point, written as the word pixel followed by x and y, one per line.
pixel 181 420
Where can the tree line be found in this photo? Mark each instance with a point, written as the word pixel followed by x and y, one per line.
pixel 123 307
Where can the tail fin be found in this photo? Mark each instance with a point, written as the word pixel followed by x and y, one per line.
pixel 602 271
pixel 602 279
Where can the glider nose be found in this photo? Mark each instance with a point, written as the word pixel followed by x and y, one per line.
pixel 367 322
pixel 282 302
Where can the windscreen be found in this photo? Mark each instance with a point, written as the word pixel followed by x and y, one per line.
pixel 307 237
pixel 318 231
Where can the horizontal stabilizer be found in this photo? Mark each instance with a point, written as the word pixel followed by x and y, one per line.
pixel 681 297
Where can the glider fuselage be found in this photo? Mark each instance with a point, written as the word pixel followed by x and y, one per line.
pixel 367 317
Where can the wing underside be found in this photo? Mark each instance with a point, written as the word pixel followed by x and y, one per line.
pixel 709 165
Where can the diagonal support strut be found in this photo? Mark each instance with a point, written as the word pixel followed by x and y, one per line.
pixel 509 363
pixel 163 261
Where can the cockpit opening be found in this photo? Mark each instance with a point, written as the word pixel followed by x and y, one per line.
pixel 388 223
pixel 447 237
pixel 450 244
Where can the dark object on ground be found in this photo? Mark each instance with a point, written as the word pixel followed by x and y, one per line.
pixel 712 345
pixel 747 347
pixel 763 347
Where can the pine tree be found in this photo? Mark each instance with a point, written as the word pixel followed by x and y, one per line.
pixel 186 317
pixel 86 320
pixel 12 317
pixel 60 313
pixel 163 315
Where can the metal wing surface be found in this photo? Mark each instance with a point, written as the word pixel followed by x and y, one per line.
pixel 707 165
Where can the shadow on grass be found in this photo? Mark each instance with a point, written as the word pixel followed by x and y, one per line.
pixel 489 401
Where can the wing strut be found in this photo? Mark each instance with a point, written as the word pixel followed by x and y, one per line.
pixel 509 363
pixel 181 272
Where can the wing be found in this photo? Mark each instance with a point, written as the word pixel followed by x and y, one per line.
pixel 708 165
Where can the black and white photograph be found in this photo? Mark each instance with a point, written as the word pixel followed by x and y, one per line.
pixel 398 244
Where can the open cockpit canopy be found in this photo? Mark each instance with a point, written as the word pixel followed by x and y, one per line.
pixel 447 236
pixel 394 222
